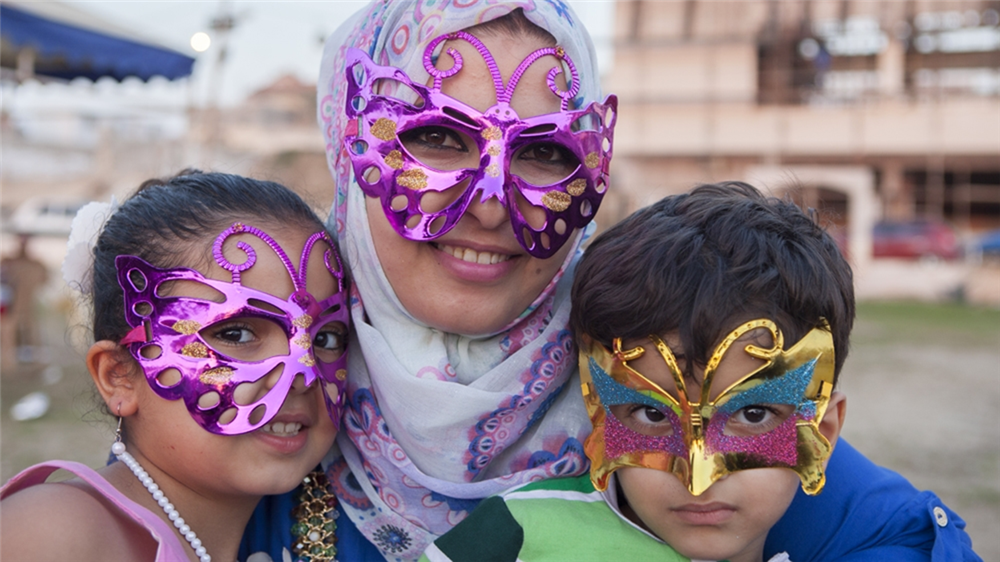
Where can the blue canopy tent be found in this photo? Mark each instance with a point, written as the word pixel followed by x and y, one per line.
pixel 60 41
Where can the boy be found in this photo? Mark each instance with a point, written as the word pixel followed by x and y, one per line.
pixel 712 326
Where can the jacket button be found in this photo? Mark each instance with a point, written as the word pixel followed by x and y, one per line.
pixel 941 517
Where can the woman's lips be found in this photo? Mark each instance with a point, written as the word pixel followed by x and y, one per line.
pixel 475 265
pixel 483 257
pixel 704 514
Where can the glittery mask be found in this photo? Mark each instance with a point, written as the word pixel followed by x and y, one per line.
pixel 557 162
pixel 693 437
pixel 169 333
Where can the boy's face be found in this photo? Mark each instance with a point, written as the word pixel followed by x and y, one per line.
pixel 733 515
pixel 709 462
pixel 754 404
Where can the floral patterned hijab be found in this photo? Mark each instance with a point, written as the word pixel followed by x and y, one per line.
pixel 436 421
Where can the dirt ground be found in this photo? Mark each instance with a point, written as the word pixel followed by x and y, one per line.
pixel 923 384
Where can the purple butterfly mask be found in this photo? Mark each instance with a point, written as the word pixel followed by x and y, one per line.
pixel 169 333
pixel 565 173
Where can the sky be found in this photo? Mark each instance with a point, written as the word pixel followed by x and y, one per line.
pixel 270 38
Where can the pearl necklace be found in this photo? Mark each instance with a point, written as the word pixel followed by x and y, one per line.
pixel 118 449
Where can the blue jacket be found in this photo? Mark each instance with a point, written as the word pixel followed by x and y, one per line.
pixel 867 513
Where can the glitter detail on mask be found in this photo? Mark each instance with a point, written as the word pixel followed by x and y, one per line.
pixel 592 160
pixel 186 327
pixel 195 349
pixel 307 360
pixel 303 341
pixel 303 321
pixel 394 159
pixel 556 201
pixel 576 187
pixel 414 179
pixel 492 133
pixel 494 151
pixel 216 376
pixel 384 129
pixel 777 447
pixel 341 374
pixel 493 171
pixel 621 440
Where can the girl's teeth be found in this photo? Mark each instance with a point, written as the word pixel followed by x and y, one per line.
pixel 278 428
pixel 472 256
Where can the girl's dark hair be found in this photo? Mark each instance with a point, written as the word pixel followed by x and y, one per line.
pixel 701 261
pixel 166 219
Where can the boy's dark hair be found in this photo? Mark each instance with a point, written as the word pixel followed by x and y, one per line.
pixel 699 262
pixel 164 218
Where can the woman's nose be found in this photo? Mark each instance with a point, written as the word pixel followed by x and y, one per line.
pixel 491 214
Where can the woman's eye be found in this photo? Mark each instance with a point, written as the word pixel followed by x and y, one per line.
pixel 433 137
pixel 330 342
pixel 545 152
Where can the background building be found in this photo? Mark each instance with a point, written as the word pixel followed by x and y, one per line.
pixel 877 110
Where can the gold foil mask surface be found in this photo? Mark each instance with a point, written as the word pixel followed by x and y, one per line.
pixel 690 437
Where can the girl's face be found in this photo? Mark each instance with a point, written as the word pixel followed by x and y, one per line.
pixel 274 458
pixel 476 278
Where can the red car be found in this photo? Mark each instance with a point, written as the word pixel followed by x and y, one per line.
pixel 916 239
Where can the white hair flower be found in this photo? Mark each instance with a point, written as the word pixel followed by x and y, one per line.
pixel 77 268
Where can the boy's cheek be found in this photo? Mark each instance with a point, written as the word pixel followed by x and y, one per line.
pixel 833 420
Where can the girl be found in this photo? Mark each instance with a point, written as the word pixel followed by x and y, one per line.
pixel 220 320
pixel 469 144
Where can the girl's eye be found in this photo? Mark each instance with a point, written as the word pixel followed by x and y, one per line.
pixel 330 342
pixel 235 334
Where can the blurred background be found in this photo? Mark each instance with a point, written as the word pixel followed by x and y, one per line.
pixel 883 116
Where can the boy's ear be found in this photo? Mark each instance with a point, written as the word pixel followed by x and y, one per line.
pixel 114 377
pixel 833 420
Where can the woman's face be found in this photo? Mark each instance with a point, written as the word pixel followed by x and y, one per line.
pixel 476 278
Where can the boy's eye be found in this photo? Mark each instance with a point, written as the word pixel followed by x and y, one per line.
pixel 648 414
pixel 643 419
pixel 757 419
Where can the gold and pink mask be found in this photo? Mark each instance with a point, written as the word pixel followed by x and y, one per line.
pixel 168 334
pixel 693 440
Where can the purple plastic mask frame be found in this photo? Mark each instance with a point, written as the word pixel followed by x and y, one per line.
pixel 173 324
pixel 372 141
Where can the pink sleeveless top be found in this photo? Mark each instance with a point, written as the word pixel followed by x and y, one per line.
pixel 170 548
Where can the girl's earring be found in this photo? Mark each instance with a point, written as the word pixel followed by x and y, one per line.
pixel 118 447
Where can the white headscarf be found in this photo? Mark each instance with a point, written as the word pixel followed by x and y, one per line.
pixel 437 421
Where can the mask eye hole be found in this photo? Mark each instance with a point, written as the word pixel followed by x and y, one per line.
pixel 645 419
pixel 249 338
pixel 441 148
pixel 544 163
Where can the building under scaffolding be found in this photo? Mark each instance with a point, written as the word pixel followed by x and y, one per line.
pixel 875 109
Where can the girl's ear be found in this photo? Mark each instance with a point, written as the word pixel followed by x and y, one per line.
pixel 113 376
pixel 833 420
